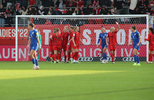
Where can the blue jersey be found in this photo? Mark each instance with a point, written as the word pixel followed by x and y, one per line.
pixel 135 37
pixel 32 35
pixel 103 38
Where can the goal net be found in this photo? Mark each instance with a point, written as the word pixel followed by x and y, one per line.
pixel 90 28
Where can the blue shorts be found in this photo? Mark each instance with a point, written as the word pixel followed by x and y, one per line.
pixel 103 46
pixel 136 47
pixel 34 47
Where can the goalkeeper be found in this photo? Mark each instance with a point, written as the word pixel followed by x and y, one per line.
pixel 38 51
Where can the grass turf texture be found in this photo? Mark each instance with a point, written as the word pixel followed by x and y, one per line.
pixel 85 81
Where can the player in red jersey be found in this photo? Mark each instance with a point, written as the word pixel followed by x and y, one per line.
pixel 76 44
pixel 65 35
pixel 57 44
pixel 151 44
pixel 112 41
pixel 70 43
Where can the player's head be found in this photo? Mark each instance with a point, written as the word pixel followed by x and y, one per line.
pixel 103 30
pixel 57 30
pixel 54 31
pixel 31 26
pixel 66 29
pixel 151 30
pixel 133 28
pixel 112 29
pixel 76 28
pixel 71 29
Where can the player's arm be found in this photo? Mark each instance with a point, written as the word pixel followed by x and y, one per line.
pixel 38 42
pixel 130 41
pixel 81 41
pixel 98 40
pixel 107 41
pixel 73 41
pixel 118 26
pixel 147 39
pixel 29 42
pixel 139 41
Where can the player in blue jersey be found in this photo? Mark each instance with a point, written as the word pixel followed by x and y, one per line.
pixel 136 39
pixel 34 44
pixel 102 37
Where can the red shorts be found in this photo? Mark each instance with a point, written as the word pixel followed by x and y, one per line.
pixel 58 48
pixel 50 49
pixel 151 48
pixel 112 47
pixel 64 47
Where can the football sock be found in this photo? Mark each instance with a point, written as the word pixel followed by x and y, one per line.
pixel 54 57
pixel 65 58
pixel 112 57
pixel 105 56
pixel 51 55
pixel 36 61
pixel 73 55
pixel 135 58
pixel 69 55
pixel 33 60
pixel 38 56
pixel 138 60
pixel 58 56
pixel 150 57
pixel 76 56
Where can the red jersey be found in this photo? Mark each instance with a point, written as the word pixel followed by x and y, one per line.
pixel 112 38
pixel 57 40
pixel 76 36
pixel 150 39
pixel 65 37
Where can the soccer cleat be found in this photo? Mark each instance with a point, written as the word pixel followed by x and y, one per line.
pixel 138 64
pixel 71 60
pixel 151 62
pixel 51 59
pixel 147 63
pixel 54 62
pixel 37 68
pixel 113 62
pixel 103 61
pixel 134 64
pixel 77 62
pixel 57 61
pixel 34 68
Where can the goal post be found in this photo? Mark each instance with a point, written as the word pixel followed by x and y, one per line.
pixel 90 26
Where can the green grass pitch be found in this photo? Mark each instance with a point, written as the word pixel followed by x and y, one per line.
pixel 84 81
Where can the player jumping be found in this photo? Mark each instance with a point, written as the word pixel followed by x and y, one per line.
pixel 151 44
pixel 103 36
pixel 112 41
pixel 65 35
pixel 136 39
pixel 34 44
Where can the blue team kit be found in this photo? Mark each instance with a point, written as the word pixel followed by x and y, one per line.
pixel 136 38
pixel 34 43
pixel 103 38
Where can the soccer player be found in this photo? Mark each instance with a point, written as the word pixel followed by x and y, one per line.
pixel 56 42
pixel 102 37
pixel 34 44
pixel 40 39
pixel 136 39
pixel 151 44
pixel 65 35
pixel 70 44
pixel 112 41
pixel 76 44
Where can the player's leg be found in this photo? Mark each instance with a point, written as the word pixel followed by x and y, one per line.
pixel 32 52
pixel 65 56
pixel 36 61
pixel 55 55
pixel 77 55
pixel 135 53
pixel 73 54
pixel 104 54
pixel 51 56
pixel 149 58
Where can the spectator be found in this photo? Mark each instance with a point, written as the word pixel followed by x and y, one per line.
pixel 50 11
pixel 41 11
pixel 2 15
pixel 103 11
pixel 70 3
pixel 118 4
pixel 59 3
pixel 23 2
pixel 70 12
pixel 36 12
pixel 97 10
pixel 76 11
pixel 8 21
pixel 29 12
pixel 9 11
pixel 79 3
pixel 64 10
pixel 89 10
pixel 113 11
pixel 18 11
pixel 31 3
pixel 24 10
pixel 151 5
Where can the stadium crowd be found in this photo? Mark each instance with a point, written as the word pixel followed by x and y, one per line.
pixel 10 8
